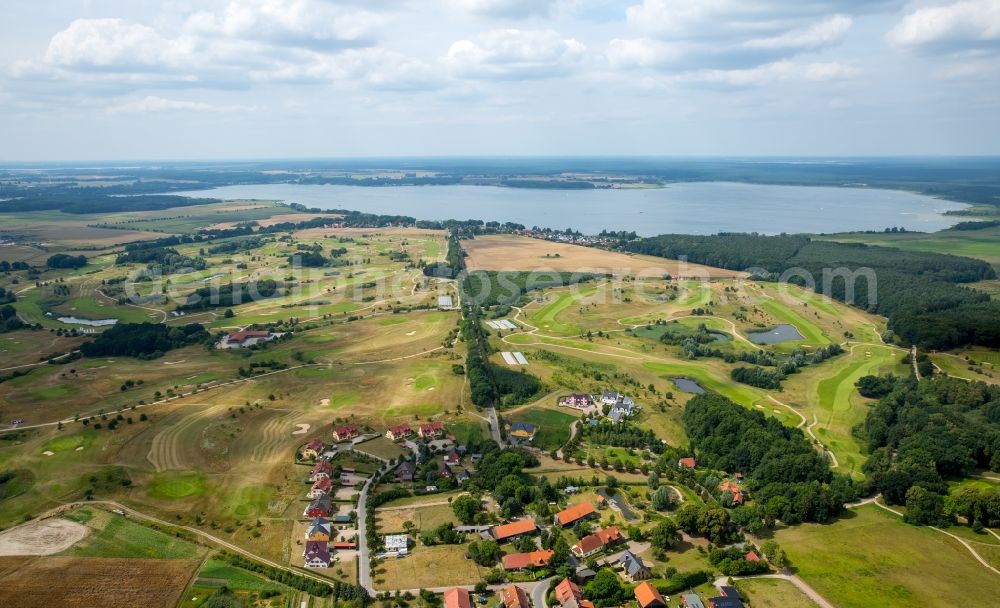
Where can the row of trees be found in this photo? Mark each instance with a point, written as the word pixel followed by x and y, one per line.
pixel 143 340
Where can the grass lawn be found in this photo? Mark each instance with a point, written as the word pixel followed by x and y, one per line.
pixel 553 426
pixel 773 593
pixel 871 558
pixel 174 486
pixel 381 447
pixel 116 536
pixel 425 518
pixel 428 567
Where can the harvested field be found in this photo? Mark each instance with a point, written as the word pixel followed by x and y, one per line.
pixel 43 537
pixel 88 582
pixel 510 253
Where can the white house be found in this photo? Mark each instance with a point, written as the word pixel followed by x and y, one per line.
pixel 396 544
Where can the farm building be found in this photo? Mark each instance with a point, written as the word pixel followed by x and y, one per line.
pixel 396 544
pixel 346 432
pixel 515 529
pixel 445 303
pixel 589 545
pixel 575 513
pixel 523 561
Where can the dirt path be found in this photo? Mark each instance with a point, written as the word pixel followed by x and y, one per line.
pixel 793 579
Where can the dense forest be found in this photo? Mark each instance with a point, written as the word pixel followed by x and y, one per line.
pixel 919 292
pixel 231 294
pixel 64 260
pixel 920 433
pixel 489 288
pixel 143 340
pixel 783 471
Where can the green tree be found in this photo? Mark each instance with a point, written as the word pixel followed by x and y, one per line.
pixel 465 508
pixel 664 535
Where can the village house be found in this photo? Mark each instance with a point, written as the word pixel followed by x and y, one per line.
pixel 520 432
pixel 569 595
pixel 319 530
pixel 453 459
pixel 622 410
pixel 396 544
pixel 321 506
pixel 317 554
pixel 463 476
pixel 320 487
pixel 431 430
pixel 632 567
pixel 346 432
pixel 734 489
pixel 405 472
pixel 444 471
pixel 514 597
pixel 591 544
pixel 524 561
pixel 570 515
pixel 457 598
pixel 312 449
pixel 609 397
pixel 398 432
pixel 320 470
pixel 247 338
pixel 730 598
pixel 648 597
pixel 515 529
pixel 692 600
pixel 577 400
pixel 687 463
pixel 752 556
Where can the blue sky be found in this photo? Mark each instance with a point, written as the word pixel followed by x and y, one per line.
pixel 103 79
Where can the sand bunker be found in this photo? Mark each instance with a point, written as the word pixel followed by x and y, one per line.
pixel 324 402
pixel 42 537
pixel 48 453
pixel 412 333
pixel 301 429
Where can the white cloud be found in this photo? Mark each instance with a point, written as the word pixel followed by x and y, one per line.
pixel 779 71
pixel 511 9
pixel 153 103
pixel 642 53
pixel 114 43
pixel 515 54
pixel 826 32
pixel 966 24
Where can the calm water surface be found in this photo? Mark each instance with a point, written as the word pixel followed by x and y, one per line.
pixel 689 208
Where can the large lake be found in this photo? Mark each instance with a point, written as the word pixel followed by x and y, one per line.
pixel 689 208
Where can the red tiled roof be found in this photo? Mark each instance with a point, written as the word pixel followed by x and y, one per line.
pixel 514 597
pixel 535 559
pixel 568 590
pixel 752 556
pixel 575 513
pixel 647 595
pixel 457 598
pixel 598 539
pixel 514 528
pixel 688 462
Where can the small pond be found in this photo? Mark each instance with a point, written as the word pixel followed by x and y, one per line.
pixel 91 323
pixel 688 386
pixel 719 336
pixel 781 333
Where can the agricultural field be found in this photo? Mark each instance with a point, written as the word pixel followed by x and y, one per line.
pixel 438 566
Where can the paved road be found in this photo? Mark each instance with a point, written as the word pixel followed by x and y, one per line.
pixel 494 421
pixel 913 360
pixel 538 593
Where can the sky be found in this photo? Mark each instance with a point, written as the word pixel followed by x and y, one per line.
pixel 231 79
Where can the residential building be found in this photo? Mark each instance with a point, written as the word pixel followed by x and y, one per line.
pixel 317 554
pixel 319 530
pixel 730 598
pixel 457 598
pixel 575 513
pixel 520 432
pixel 321 506
pixel 453 459
pixel 444 471
pixel 312 449
pixel 515 529
pixel 623 409
pixel 691 600
pixel 396 544
pixel 463 476
pixel 514 597
pixel 401 431
pixel 346 432
pixel 577 400
pixel 648 597
pixel 405 472
pixel 431 430
pixel 687 463
pixel 734 489
pixel 523 561
pixel 752 556
pixel 320 487
pixel 632 567
pixel 609 397
pixel 591 544
pixel 321 469
pixel 569 595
